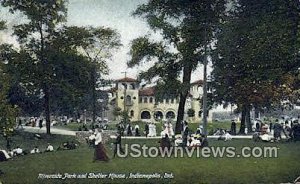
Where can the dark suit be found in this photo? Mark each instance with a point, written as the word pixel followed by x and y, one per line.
pixel 118 145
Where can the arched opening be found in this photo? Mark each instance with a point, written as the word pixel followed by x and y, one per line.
pixel 151 100
pixel 170 114
pixel 131 113
pixel 128 100
pixel 158 115
pixel 145 115
pixel 145 100
pixel 132 86
pixel 124 85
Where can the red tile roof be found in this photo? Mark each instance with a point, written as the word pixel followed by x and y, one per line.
pixel 126 79
pixel 147 91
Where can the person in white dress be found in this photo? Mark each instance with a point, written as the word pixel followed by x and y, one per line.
pixel 100 152
pixel 154 130
pixel 169 129
pixel 35 150
pixel 49 148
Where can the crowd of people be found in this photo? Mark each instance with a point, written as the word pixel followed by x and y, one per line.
pixel 128 130
pixel 284 128
pixel 18 151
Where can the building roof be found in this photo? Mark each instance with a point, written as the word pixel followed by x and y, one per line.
pixel 126 79
pixel 147 91
pixel 197 82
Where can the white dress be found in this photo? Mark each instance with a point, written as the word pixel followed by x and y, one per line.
pixel 98 138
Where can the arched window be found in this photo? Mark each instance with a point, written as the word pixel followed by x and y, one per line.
pixel 145 115
pixel 151 100
pixel 124 85
pixel 132 86
pixel 131 113
pixel 128 100
pixel 158 115
pixel 145 100
pixel 170 114
pixel 199 114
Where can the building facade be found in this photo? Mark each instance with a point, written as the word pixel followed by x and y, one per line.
pixel 141 105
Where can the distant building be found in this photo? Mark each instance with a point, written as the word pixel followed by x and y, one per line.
pixel 142 105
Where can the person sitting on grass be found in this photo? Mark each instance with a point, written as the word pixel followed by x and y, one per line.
pixel 35 150
pixel 49 148
pixel 4 155
pixel 225 136
pixel 178 140
pixel 18 151
pixel 67 146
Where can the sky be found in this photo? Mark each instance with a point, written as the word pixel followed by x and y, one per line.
pixel 115 14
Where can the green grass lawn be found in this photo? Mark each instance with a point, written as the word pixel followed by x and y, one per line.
pixel 25 169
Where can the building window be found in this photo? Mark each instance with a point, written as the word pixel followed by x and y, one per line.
pixel 172 100
pixel 151 100
pixel 167 101
pixel 145 100
pixel 122 97
pixel 170 114
pixel 134 98
pixel 199 114
pixel 132 86
pixel 145 115
pixel 124 85
pixel 131 113
pixel 128 100
pixel 158 115
pixel 140 100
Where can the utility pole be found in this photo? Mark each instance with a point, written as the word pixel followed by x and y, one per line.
pixel 125 114
pixel 204 119
pixel 125 88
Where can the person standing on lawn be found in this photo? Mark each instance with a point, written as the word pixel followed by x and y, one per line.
pixel 118 146
pixel 100 152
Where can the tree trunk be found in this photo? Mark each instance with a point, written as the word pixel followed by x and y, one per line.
pixel 180 113
pixel 187 71
pixel 204 105
pixel 47 107
pixel 248 119
pixel 94 95
pixel 243 120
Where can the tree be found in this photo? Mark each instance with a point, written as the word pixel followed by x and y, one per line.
pixel 49 58
pixel 35 38
pixel 187 28
pixel 7 111
pixel 99 51
pixel 256 55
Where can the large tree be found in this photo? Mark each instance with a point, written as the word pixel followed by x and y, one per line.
pixel 256 55
pixel 7 111
pixel 104 41
pixel 35 37
pixel 49 58
pixel 187 28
